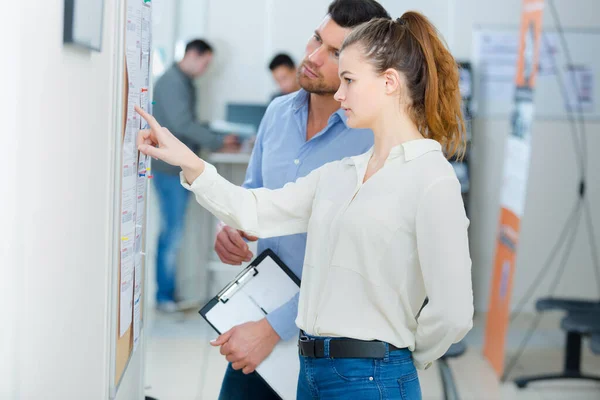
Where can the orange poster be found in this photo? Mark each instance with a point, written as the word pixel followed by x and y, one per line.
pixel 514 184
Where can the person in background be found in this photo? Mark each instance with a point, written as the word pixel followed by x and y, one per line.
pixel 284 73
pixel 175 106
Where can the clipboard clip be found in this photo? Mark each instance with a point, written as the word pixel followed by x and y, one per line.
pixel 240 280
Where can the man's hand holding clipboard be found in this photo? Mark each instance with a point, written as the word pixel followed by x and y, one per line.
pixel 245 346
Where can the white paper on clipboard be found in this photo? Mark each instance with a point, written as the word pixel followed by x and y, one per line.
pixel 261 288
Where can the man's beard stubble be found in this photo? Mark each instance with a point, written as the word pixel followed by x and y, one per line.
pixel 318 86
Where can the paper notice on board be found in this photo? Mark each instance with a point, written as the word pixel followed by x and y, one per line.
pixel 128 220
pixel 142 182
pixel 126 284
pixel 137 320
pixel 145 46
pixel 128 198
pixel 130 141
pixel 137 295
pixel 133 55
pixel 149 167
pixel 146 28
pixel 496 55
pixel 134 24
pixel 145 70
pixel 144 98
pixel 549 51
pixel 580 88
pixel 134 99
pixel 133 41
pixel 148 159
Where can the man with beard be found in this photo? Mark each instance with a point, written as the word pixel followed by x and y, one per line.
pixel 300 132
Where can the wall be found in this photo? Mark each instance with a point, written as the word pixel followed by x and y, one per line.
pixel 191 23
pixel 9 250
pixel 63 175
pixel 164 30
pixel 248 35
pixel 552 185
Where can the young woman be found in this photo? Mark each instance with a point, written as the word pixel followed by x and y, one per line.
pixel 386 229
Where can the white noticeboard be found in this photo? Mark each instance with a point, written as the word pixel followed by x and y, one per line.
pixel 494 64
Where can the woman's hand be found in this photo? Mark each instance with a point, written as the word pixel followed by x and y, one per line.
pixel 159 143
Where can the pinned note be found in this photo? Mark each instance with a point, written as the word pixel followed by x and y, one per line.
pixel 126 284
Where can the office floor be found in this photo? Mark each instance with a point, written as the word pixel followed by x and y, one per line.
pixel 181 365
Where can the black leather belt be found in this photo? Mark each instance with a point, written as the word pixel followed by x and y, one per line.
pixel 343 348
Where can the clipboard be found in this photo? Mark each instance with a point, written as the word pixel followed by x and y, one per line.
pixel 265 285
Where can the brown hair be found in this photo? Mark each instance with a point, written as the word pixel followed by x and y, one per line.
pixel 412 46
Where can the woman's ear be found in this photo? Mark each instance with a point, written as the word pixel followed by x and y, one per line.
pixel 392 81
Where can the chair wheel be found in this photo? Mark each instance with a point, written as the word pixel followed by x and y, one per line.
pixel 521 385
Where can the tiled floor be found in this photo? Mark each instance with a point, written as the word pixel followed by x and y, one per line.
pixel 181 365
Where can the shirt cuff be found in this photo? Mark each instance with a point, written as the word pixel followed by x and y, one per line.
pixel 422 366
pixel 205 180
pixel 283 319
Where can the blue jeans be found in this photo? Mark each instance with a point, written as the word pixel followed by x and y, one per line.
pixel 173 199
pixel 393 377
pixel 237 386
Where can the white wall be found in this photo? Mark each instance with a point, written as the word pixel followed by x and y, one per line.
pixel 237 31
pixel 63 176
pixel 9 250
pixel 164 31
pixel 191 23
pixel 247 35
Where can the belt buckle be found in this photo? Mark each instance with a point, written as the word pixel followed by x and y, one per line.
pixel 307 346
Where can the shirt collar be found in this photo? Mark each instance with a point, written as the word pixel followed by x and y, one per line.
pixel 408 151
pixel 181 73
pixel 301 100
pixel 342 115
pixel 415 148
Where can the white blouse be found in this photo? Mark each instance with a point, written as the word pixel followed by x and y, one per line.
pixel 374 250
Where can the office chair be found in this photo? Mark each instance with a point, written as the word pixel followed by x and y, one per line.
pixel 582 319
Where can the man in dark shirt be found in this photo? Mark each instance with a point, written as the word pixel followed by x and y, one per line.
pixel 175 97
